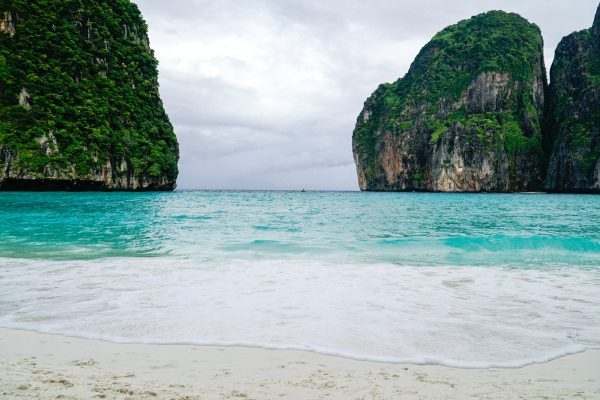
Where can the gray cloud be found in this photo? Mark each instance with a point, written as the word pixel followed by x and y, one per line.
pixel 264 94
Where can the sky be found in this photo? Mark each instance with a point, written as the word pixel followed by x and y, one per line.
pixel 264 94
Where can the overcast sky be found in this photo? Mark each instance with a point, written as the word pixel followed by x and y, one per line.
pixel 265 94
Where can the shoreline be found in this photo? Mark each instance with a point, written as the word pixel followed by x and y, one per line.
pixel 49 366
pixel 424 361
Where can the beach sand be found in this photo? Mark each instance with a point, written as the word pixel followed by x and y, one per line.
pixel 39 366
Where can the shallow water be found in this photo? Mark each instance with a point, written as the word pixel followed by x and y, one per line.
pixel 458 279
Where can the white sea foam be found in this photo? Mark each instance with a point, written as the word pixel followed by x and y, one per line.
pixel 457 316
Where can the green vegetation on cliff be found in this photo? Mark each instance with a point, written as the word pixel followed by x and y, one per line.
pixel 572 137
pixel 79 90
pixel 432 98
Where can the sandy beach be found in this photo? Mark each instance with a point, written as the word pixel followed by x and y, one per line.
pixel 40 366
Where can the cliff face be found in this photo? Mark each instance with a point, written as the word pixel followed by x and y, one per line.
pixel 79 105
pixel 573 113
pixel 466 117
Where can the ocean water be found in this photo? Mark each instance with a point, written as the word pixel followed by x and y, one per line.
pixel 466 280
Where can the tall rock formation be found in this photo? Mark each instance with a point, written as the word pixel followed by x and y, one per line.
pixel 573 130
pixel 466 116
pixel 79 101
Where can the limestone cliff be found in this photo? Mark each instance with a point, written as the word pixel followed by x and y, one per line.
pixel 466 117
pixel 79 101
pixel 573 130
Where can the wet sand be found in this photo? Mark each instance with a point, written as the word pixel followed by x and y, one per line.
pixel 39 366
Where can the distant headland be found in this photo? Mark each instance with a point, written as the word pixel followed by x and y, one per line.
pixel 475 114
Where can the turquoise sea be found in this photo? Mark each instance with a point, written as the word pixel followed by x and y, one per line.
pixel 468 280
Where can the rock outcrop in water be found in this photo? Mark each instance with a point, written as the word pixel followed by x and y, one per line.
pixel 574 113
pixel 466 117
pixel 79 101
